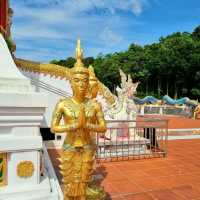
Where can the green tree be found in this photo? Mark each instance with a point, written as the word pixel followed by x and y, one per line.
pixel 170 65
pixel 196 33
pixel 88 61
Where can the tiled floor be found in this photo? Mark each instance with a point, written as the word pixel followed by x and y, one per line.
pixel 176 177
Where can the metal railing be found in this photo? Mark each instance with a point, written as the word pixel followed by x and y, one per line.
pixel 125 140
pixel 165 109
pixel 49 88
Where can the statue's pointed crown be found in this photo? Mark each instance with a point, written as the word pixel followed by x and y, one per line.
pixel 79 66
pixel 91 73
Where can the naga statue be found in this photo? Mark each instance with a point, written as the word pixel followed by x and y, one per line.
pixel 166 100
pixel 83 118
pixel 124 108
pixel 147 99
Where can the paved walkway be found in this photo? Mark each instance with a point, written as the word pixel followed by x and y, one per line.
pixel 176 177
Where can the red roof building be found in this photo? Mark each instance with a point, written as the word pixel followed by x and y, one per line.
pixel 4 8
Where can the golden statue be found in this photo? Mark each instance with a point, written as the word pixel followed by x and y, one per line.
pixel 93 84
pixel 197 112
pixel 83 118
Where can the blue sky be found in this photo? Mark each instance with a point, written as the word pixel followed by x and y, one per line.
pixel 47 29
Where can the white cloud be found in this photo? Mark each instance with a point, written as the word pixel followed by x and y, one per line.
pixel 136 7
pixel 110 38
pixel 75 7
pixel 36 31
pixel 40 54
pixel 97 22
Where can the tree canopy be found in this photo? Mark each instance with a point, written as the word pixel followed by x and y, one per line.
pixel 170 66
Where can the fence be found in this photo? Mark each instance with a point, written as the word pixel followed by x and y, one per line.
pixel 125 139
pixel 184 110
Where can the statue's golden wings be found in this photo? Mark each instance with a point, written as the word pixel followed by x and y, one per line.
pixel 59 72
pixel 43 68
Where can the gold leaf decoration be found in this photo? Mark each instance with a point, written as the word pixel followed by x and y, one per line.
pixel 3 169
pixel 25 169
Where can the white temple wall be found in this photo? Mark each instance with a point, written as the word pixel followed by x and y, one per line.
pixel 53 98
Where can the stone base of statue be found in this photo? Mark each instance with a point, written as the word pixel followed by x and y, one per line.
pixel 121 140
pixel 94 192
pixel 122 147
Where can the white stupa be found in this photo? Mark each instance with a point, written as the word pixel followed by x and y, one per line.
pixel 21 146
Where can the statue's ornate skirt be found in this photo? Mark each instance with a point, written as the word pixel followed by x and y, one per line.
pixel 76 168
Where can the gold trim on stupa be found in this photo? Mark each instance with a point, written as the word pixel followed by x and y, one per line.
pixel 3 169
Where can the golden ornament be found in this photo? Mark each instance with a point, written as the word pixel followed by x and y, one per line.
pixel 25 169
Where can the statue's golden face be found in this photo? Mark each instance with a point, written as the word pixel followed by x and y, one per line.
pixel 80 83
